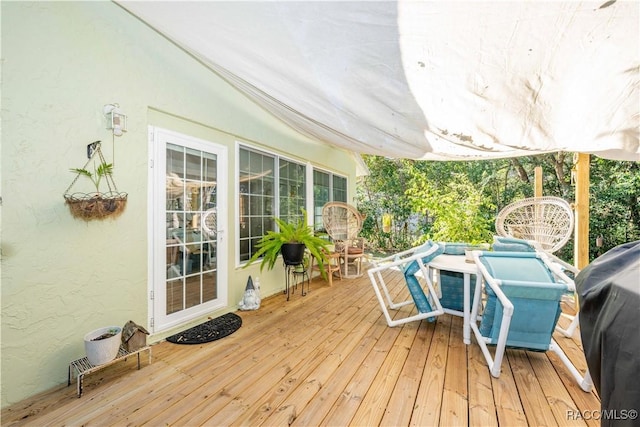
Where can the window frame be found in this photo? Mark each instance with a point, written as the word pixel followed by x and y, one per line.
pixel 277 158
pixel 308 195
pixel 332 175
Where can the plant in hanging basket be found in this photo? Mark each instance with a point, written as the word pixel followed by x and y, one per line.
pixel 98 205
pixel 103 170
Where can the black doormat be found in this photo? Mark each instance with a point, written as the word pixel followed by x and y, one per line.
pixel 211 330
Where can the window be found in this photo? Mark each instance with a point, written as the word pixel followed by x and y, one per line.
pixel 258 194
pixel 327 187
pixel 292 190
pixel 339 189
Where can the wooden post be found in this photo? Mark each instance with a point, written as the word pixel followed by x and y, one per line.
pixel 537 192
pixel 537 189
pixel 581 248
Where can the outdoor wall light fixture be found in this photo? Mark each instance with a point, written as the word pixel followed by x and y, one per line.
pixel 116 119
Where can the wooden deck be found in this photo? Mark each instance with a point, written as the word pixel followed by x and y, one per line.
pixel 324 359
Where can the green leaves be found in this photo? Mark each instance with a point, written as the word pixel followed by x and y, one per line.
pixel 103 169
pixel 456 208
pixel 462 198
pixel 299 232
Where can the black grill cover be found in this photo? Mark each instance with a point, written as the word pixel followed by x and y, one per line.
pixel 609 295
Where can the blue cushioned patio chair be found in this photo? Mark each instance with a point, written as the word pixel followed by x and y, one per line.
pixel 413 265
pixel 522 306
pixel 511 244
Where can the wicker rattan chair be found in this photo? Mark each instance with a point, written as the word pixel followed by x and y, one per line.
pixel 545 220
pixel 343 223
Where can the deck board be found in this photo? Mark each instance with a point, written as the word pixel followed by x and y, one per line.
pixel 482 409
pixel 533 399
pixel 327 358
pixel 505 395
pixel 429 399
pixel 455 402
pixel 406 389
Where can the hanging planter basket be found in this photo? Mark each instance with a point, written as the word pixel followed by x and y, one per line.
pixel 96 206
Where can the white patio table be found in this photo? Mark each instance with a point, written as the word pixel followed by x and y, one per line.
pixel 458 264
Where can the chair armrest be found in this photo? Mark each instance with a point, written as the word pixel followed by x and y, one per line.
pixel 398 262
pixel 394 257
pixel 553 263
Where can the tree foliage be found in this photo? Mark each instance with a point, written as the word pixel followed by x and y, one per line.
pixel 456 209
pixel 458 201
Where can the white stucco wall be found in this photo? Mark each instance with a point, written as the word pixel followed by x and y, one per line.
pixel 61 277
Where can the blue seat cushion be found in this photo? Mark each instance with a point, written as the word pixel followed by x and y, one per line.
pixel 413 267
pixel 511 244
pixel 455 248
pixel 452 288
pixel 419 297
pixel 535 315
pixel 516 266
pixel 422 301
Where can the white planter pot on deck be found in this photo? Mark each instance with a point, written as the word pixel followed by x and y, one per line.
pixel 105 350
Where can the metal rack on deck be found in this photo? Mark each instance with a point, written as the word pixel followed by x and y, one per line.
pixel 83 367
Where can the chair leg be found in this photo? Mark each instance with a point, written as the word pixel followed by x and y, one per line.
pixel 494 362
pixel 584 382
pixel 572 327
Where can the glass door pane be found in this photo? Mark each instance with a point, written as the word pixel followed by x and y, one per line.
pixel 191 228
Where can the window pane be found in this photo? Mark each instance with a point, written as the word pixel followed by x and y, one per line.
pixel 292 190
pixel 209 288
pixel 192 291
pixel 320 196
pixel 327 187
pixel 255 184
pixel 193 165
pixel 174 296
pixel 339 189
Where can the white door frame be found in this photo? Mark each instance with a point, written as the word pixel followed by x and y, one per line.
pixel 158 319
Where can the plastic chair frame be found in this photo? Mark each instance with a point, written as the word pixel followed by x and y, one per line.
pixel 495 362
pixel 382 292
pixel 571 329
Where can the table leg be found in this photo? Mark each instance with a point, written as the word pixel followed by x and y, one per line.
pixel 466 328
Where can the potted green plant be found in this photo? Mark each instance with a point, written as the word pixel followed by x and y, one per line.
pixel 96 205
pixel 291 240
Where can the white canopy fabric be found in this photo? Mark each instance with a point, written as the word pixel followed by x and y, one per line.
pixel 433 80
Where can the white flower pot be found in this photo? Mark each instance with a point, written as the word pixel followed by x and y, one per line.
pixel 104 350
